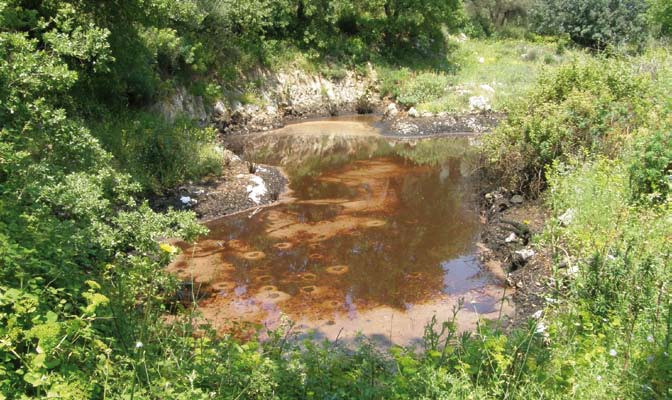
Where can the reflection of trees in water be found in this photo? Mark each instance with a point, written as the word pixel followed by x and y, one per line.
pixel 395 264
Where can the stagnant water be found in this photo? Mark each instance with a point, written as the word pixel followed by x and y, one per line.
pixel 376 238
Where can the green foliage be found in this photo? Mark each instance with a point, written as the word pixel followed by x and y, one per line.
pixel 594 23
pixel 651 168
pixel 490 17
pixel 160 154
pixel 591 106
pixel 661 15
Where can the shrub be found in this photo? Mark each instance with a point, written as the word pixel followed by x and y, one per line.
pixel 594 23
pixel 160 154
pixel 582 107
pixel 651 168
pixel 423 88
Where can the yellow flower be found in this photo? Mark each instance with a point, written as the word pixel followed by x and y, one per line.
pixel 168 248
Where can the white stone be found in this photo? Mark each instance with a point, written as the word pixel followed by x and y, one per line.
pixel 479 103
pixel 185 199
pixel 525 254
pixel 413 113
pixel 511 238
pixel 220 108
pixel 567 217
pixel 391 110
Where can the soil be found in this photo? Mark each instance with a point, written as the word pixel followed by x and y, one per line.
pixel 228 193
pixel 530 279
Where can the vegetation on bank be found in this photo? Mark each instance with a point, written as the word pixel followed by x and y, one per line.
pixel 84 302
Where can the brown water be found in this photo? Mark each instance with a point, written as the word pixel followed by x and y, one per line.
pixel 375 241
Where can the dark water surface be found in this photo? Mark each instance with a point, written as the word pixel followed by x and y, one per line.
pixel 377 238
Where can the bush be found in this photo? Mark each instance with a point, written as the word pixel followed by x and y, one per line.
pixel 423 88
pixel 161 154
pixel 651 168
pixel 594 23
pixel 582 107
pixel 661 15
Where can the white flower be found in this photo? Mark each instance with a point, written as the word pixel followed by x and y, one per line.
pixel 599 378
pixel 613 352
pixel 649 339
pixel 138 344
pixel 541 327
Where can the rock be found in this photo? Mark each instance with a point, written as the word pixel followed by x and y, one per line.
pixel 511 238
pixel 517 199
pixel 271 110
pixel 479 103
pixel 413 113
pixel 391 110
pixel 567 217
pixel 185 200
pixel 525 254
pixel 220 109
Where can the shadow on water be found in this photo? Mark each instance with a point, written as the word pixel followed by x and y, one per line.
pixel 378 237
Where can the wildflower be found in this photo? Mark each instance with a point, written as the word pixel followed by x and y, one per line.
pixel 170 249
pixel 138 344
pixel 541 327
pixel 649 339
pixel 613 352
pixel 599 378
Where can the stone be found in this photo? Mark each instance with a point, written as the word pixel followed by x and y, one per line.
pixel 567 217
pixel 517 199
pixel 479 103
pixel 525 254
pixel 391 110
pixel 220 108
pixel 413 113
pixel 511 238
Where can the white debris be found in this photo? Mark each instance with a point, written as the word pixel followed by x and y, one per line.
pixel 525 253
pixel 413 113
pixel 479 103
pixel 512 238
pixel 488 88
pixel 185 199
pixel 257 189
pixel 567 217
pixel 538 314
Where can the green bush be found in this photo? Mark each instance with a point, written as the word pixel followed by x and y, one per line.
pixel 661 15
pixel 594 23
pixel 651 168
pixel 582 107
pixel 423 88
pixel 161 154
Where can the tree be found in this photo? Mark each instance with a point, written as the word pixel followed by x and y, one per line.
pixel 594 23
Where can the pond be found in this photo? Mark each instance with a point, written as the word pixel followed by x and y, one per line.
pixel 376 237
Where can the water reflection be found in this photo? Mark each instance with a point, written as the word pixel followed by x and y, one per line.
pixel 386 228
